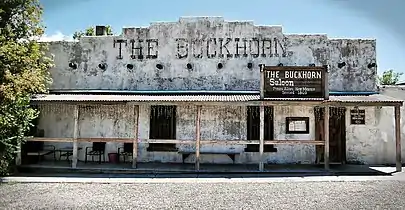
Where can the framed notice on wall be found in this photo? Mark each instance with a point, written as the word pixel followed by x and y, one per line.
pixel 297 125
pixel 358 116
pixel 294 82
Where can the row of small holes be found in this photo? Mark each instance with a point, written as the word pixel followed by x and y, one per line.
pixel 370 65
pixel 158 66
pixel 219 66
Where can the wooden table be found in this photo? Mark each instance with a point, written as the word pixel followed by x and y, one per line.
pixel 66 151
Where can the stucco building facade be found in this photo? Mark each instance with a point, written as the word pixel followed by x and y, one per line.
pixel 212 65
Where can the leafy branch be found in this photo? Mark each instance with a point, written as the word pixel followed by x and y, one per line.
pixel 389 77
pixel 90 31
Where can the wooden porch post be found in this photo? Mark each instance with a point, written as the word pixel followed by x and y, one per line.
pixel 197 138
pixel 135 139
pixel 326 137
pixel 261 145
pixel 18 157
pixel 75 133
pixel 398 138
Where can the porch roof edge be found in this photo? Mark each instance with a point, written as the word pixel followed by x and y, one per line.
pixel 186 92
pixel 371 100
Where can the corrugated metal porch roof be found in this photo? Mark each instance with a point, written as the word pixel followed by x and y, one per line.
pixel 146 98
pixel 202 98
pixel 365 99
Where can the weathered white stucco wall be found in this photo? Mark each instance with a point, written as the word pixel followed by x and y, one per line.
pixel 387 120
pixel 94 122
pixel 217 123
pixel 204 43
pixel 372 143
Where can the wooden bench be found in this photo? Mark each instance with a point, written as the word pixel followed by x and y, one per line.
pixel 46 150
pixel 232 155
pixel 39 153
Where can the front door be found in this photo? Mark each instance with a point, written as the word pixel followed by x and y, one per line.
pixel 337 134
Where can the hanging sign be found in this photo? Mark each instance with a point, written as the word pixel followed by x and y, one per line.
pixel 358 116
pixel 294 82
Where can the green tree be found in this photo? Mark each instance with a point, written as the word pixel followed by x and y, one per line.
pixel 24 67
pixel 91 32
pixel 77 35
pixel 389 77
pixel 109 30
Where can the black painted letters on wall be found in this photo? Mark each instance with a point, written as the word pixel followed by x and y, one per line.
pixel 204 48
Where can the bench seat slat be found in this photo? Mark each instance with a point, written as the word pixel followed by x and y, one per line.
pixel 230 154
pixel 40 153
pixel 207 152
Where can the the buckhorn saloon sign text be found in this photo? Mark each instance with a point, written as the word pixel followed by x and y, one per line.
pixel 294 82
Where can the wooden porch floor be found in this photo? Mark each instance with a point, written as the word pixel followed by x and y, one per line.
pixel 298 169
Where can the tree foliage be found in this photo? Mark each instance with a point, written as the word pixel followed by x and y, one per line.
pixel 389 77
pixel 90 31
pixel 23 72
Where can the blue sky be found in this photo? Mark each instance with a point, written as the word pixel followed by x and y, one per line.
pixel 337 18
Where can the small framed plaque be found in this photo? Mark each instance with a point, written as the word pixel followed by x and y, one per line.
pixel 297 125
pixel 358 117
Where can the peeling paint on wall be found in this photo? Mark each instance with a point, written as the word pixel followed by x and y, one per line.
pixel 372 143
pixel 217 123
pixel 202 43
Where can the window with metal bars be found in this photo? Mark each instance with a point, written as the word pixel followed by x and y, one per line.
pixel 162 126
pixel 253 128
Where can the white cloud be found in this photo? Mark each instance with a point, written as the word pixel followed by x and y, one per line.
pixel 58 36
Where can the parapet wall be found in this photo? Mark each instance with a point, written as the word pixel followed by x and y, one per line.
pixel 206 53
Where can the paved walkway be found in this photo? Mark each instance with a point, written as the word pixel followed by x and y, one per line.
pixel 187 178
pixel 144 168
